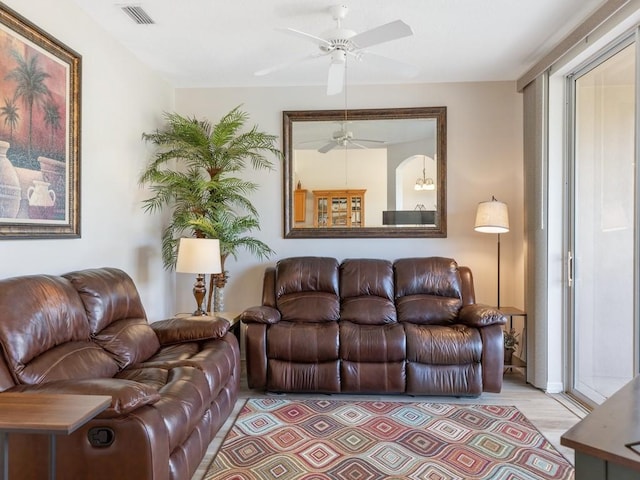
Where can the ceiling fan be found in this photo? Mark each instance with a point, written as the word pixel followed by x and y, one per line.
pixel 339 43
pixel 344 138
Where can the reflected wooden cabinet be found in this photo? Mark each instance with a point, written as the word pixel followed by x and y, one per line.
pixel 299 205
pixel 338 208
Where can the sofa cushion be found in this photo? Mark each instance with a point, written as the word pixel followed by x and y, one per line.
pixel 130 341
pixel 312 307
pixel 372 343
pixel 108 295
pixel 307 289
pixel 440 345
pixel 428 290
pixel 366 290
pixel 215 358
pixel 368 310
pixel 366 276
pixel 427 275
pixel 428 309
pixel 70 360
pixel 116 316
pixel 312 342
pixel 44 332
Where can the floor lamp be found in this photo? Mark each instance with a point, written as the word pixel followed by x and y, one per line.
pixel 493 217
pixel 200 256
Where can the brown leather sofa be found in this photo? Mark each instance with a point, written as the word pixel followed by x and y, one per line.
pixel 373 326
pixel 173 383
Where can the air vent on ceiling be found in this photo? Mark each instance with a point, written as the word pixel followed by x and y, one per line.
pixel 137 14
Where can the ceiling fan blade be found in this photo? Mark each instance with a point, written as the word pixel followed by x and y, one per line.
pixel 390 64
pixel 383 33
pixel 367 140
pixel 356 144
pixel 307 36
pixel 336 78
pixel 281 66
pixel 327 147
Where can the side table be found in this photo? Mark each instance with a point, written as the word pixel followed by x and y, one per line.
pixel 234 321
pixel 517 362
pixel 606 440
pixel 42 413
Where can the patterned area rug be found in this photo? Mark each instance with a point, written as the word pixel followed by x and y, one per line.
pixel 363 440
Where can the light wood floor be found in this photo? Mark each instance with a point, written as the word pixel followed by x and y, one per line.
pixel 552 415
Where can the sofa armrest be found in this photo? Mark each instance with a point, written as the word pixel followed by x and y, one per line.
pixel 478 315
pixel 190 329
pixel 126 395
pixel 261 314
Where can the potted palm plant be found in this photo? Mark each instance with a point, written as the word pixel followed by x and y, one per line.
pixel 194 174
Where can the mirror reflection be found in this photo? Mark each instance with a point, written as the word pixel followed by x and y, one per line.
pixel 360 173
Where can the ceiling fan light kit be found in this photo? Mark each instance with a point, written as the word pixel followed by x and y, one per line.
pixel 339 43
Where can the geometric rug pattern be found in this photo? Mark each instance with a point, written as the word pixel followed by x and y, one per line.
pixel 369 440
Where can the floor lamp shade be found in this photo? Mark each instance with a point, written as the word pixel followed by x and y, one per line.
pixel 493 217
pixel 199 256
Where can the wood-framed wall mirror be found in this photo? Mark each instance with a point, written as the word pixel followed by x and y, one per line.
pixel 365 173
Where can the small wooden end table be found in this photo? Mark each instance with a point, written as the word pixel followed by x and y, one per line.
pixel 43 413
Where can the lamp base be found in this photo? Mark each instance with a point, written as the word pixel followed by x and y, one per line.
pixel 199 291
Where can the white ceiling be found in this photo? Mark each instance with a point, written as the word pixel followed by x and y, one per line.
pixel 215 43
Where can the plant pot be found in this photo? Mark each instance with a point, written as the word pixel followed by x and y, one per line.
pixel 508 356
pixel 218 299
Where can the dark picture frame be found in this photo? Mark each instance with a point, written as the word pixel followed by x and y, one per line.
pixel 39 132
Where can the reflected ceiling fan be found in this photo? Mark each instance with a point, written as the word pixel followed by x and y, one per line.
pixel 344 138
pixel 339 43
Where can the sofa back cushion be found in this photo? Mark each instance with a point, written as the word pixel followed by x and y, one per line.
pixel 44 332
pixel 117 319
pixel 428 290
pixel 307 289
pixel 366 291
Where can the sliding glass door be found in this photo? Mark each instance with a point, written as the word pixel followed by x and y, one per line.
pixel 602 238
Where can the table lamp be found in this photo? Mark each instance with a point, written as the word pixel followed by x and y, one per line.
pixel 200 256
pixel 493 217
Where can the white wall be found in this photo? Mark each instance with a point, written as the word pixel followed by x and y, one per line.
pixel 484 158
pixel 120 100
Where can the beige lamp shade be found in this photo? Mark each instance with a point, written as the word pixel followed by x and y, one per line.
pixel 492 217
pixel 199 255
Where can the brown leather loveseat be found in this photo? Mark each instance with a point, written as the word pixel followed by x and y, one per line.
pixel 373 326
pixel 173 383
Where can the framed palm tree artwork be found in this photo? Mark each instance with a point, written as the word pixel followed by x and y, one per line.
pixel 39 132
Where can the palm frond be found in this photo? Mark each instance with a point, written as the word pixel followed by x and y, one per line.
pixel 193 174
